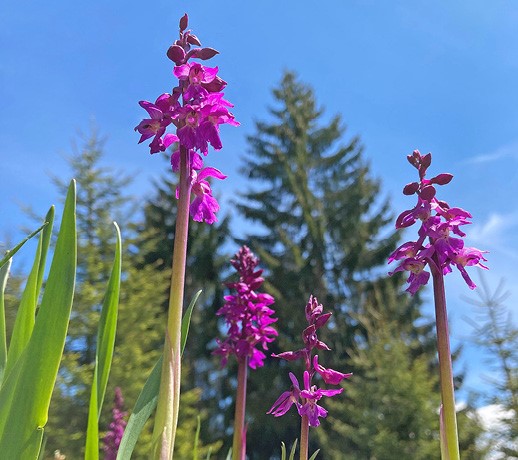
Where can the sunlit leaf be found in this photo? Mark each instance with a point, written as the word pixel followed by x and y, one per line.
pixel 4 274
pixel 11 252
pixel 104 353
pixel 26 314
pixel 27 388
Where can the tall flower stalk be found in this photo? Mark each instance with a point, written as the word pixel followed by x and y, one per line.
pixel 195 108
pixel 306 399
pixel 439 247
pixel 248 317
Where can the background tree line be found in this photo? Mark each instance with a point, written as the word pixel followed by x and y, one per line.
pixel 321 225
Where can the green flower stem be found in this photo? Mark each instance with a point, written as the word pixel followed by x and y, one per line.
pixel 304 438
pixel 169 397
pixel 239 441
pixel 445 368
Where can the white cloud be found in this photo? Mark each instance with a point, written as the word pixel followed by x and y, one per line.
pixel 495 232
pixel 505 151
pixel 491 417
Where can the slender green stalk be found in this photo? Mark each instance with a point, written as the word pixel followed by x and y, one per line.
pixel 239 442
pixel 169 397
pixel 304 438
pixel 449 417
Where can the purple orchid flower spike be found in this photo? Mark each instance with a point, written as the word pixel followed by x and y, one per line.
pixel 196 109
pixel 247 314
pixel 249 319
pixel 439 247
pixel 306 399
pixel 113 437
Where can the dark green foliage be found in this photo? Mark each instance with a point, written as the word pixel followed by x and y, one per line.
pixel 497 334
pixel 322 228
pixel 323 233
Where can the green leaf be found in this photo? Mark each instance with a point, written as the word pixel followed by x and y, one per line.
pixel 186 320
pixel 45 237
pixel 148 398
pixel 143 409
pixel 4 274
pixel 104 353
pixel 26 315
pixel 293 449
pixel 13 251
pixel 314 455
pixel 196 438
pixel 283 451
pixel 27 388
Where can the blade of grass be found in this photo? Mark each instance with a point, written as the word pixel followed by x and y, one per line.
pixel 186 320
pixel 10 253
pixel 27 389
pixel 283 451
pixel 314 455
pixel 196 439
pixel 293 449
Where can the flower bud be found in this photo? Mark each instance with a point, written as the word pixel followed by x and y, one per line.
pixel 442 179
pixel 193 40
pixel 184 20
pixel 411 188
pixel 176 54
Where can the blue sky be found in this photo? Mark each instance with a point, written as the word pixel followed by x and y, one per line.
pixel 404 75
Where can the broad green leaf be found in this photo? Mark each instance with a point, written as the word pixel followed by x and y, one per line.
pixel 4 274
pixel 143 409
pixel 13 251
pixel 186 320
pixel 92 430
pixel 104 353
pixel 27 389
pixel 25 317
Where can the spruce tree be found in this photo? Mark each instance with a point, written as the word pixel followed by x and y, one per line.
pixel 323 228
pixel 497 335
pixel 100 197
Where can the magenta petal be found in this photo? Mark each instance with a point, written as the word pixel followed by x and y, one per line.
pixel 152 109
pixel 170 139
pixel 181 72
pixel 211 172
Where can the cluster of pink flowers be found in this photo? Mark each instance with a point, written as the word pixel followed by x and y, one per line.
pixel 247 314
pixel 196 108
pixel 306 399
pixel 113 437
pixel 439 244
